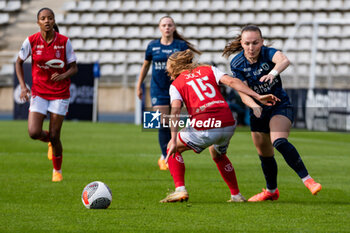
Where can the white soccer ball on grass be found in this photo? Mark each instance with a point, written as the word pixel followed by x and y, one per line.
pixel 96 195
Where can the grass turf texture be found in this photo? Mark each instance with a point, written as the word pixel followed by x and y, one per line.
pixel 125 158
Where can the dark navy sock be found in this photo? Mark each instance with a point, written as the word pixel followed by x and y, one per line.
pixel 291 155
pixel 164 137
pixel 269 167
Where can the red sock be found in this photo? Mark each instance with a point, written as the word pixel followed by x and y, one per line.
pixel 57 162
pixel 228 173
pixel 177 169
pixel 45 138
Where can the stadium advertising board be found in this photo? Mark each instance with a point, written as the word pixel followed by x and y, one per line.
pixel 321 109
pixel 81 91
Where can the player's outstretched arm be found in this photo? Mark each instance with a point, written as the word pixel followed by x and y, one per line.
pixel 239 86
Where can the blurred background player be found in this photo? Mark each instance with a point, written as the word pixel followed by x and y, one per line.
pixel 259 67
pixel 53 63
pixel 157 53
pixel 197 86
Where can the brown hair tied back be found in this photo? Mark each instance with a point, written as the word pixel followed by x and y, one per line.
pixel 235 45
pixel 181 61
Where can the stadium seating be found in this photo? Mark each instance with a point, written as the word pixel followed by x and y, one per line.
pixel 116 32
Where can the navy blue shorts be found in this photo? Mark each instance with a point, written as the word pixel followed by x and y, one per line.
pixel 160 100
pixel 262 124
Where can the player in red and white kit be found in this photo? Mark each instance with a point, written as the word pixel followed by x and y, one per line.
pixel 211 123
pixel 53 63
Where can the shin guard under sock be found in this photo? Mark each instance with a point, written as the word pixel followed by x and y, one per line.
pixel 57 162
pixel 269 167
pixel 164 137
pixel 291 155
pixel 228 173
pixel 177 169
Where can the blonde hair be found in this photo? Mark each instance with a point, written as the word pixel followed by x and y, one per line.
pixel 235 45
pixel 178 36
pixel 181 61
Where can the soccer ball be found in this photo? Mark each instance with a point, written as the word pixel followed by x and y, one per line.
pixel 96 195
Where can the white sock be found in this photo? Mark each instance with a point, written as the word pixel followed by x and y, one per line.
pixel 237 195
pixel 60 171
pixel 306 178
pixel 271 190
pixel 180 189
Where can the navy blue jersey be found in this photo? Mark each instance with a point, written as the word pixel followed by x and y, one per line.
pixel 158 54
pixel 242 69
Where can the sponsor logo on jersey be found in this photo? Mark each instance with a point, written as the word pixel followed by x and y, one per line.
pixel 265 66
pixel 58 54
pixel 167 50
pixel 58 47
pixel 40 46
pixel 265 88
pixel 159 65
pixel 55 63
pixel 39 52
pixel 155 48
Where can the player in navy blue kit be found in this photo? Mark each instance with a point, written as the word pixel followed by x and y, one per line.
pixel 157 53
pixel 259 67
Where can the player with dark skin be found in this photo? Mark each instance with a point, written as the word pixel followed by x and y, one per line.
pixel 46 23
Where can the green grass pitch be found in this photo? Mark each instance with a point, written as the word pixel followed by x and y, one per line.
pixel 125 158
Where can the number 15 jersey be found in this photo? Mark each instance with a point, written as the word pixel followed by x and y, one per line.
pixel 200 92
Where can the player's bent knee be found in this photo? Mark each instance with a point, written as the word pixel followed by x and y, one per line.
pixel 54 137
pixel 279 141
pixel 34 134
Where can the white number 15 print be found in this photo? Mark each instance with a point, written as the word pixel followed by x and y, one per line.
pixel 203 88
